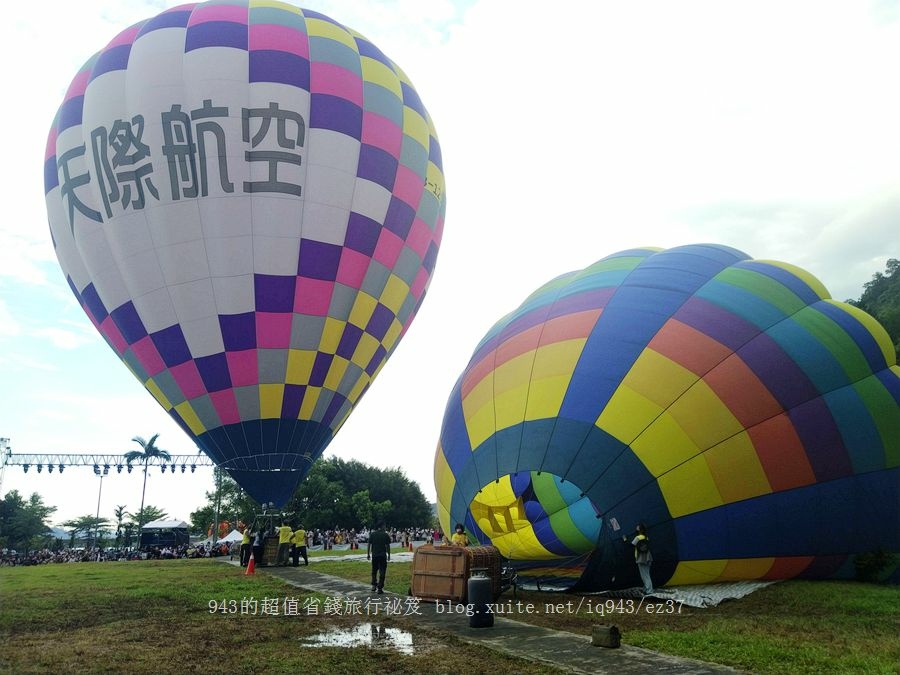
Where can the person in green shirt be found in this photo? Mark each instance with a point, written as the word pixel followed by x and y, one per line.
pixel 379 552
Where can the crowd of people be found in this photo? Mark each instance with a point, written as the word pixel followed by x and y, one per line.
pixel 327 539
pixel 45 556
pixel 314 539
pixel 66 555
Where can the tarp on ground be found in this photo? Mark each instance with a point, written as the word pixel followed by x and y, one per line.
pixel 703 595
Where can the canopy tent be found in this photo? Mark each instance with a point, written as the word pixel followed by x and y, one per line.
pixel 166 525
pixel 164 533
pixel 230 538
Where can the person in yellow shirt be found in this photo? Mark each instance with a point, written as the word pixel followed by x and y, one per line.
pixel 284 544
pixel 298 546
pixel 459 537
pixel 245 546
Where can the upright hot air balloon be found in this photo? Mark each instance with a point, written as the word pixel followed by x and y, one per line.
pixel 748 420
pixel 247 199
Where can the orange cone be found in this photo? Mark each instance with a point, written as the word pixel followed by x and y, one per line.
pixel 251 566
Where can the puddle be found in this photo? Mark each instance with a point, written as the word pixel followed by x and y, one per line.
pixel 374 636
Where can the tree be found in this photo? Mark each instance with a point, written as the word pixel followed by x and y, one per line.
pixel 881 299
pixel 21 521
pixel 339 493
pixel 148 451
pixel 147 515
pixel 367 512
pixel 235 505
pixel 120 514
pixel 81 527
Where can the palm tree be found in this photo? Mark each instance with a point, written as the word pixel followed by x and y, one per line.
pixel 149 451
pixel 120 516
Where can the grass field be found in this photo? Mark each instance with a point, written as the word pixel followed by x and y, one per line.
pixel 789 627
pixel 142 617
pixel 155 616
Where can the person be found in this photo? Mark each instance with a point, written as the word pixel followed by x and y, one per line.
pixel 378 550
pixel 245 547
pixel 284 543
pixel 259 542
pixel 298 546
pixel 642 556
pixel 459 537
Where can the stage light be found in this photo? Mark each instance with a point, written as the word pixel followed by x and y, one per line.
pixel 61 467
pixel 119 468
pixel 40 466
pixel 25 468
pixel 183 467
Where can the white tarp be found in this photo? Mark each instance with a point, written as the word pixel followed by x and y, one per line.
pixel 706 595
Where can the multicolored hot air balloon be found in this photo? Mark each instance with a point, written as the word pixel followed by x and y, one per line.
pixel 748 420
pixel 247 199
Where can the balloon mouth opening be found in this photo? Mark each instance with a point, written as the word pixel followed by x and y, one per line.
pixel 536 515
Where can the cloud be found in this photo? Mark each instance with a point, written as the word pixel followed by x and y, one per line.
pixel 16 362
pixel 21 257
pixel 64 339
pixel 842 242
pixel 8 324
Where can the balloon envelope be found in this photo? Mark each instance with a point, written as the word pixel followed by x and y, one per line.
pixel 751 422
pixel 247 200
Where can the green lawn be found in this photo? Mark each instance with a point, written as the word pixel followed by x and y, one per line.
pixel 114 617
pixel 338 553
pixel 789 627
pixel 396 579
pixel 142 617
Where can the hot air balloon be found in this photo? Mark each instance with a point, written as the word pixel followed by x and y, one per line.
pixel 247 199
pixel 747 419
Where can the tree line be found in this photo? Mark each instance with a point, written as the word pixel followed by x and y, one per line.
pixel 336 493
pixel 881 299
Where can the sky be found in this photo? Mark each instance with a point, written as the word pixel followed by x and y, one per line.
pixel 569 131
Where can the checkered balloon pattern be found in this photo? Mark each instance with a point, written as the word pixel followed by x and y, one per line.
pixel 247 199
pixel 748 420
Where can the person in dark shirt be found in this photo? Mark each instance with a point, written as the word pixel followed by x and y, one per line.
pixel 379 552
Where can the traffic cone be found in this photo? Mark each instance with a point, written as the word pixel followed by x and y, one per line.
pixel 251 566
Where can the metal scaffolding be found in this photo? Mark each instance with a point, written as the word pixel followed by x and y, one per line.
pixel 101 462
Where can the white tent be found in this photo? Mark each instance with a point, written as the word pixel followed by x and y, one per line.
pixel 230 538
pixel 164 533
pixel 234 535
pixel 166 525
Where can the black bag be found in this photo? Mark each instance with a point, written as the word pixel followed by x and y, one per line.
pixel 643 545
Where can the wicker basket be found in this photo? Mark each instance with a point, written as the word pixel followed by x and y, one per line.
pixel 442 572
